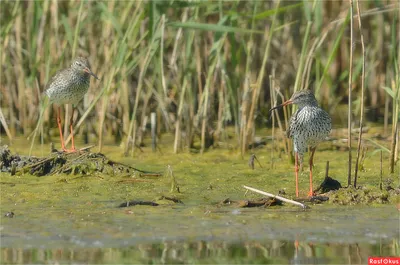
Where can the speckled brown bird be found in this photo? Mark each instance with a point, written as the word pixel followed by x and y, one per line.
pixel 68 86
pixel 308 126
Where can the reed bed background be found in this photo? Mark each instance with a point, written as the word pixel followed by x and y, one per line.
pixel 201 66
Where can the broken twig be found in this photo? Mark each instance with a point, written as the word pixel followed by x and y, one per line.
pixel 251 161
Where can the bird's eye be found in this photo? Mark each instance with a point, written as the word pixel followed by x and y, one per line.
pixel 78 63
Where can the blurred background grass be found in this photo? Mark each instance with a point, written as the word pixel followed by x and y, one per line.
pixel 202 66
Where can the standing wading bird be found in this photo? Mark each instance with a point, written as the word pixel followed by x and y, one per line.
pixel 68 86
pixel 308 126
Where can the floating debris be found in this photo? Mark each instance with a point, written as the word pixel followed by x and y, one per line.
pixel 9 215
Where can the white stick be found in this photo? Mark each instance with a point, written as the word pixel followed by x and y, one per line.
pixel 276 196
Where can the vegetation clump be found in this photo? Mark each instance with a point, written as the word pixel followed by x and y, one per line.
pixel 81 162
pixel 363 195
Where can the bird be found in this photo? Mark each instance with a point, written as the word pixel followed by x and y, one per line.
pixel 308 126
pixel 68 86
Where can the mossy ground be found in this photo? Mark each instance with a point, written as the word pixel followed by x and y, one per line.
pixel 203 179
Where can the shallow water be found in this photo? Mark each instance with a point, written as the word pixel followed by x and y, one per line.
pixel 210 234
pixel 75 219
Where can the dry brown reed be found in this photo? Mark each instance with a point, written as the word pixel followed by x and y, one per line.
pixel 350 88
pixel 362 93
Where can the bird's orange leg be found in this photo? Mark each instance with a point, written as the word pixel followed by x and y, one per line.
pixel 311 192
pixel 296 172
pixel 60 129
pixel 72 132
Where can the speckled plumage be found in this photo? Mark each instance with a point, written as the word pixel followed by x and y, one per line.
pixel 68 86
pixel 309 125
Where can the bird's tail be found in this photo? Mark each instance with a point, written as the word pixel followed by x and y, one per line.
pixel 43 106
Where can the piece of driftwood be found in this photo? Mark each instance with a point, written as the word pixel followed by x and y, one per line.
pixel 277 197
pixel 136 202
pixel 263 202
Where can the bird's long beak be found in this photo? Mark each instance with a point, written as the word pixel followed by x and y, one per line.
pixel 87 70
pixel 287 102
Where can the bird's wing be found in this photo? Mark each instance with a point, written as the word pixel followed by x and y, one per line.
pixel 55 77
pixel 325 119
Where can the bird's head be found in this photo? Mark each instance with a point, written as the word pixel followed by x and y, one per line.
pixel 82 65
pixel 300 98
